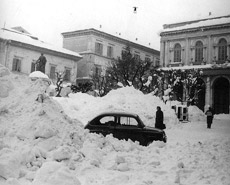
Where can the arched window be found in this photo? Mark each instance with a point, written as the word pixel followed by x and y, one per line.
pixel 199 52
pixel 177 53
pixel 222 50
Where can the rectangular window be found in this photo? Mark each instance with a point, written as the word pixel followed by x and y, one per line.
pixel 123 52
pixel 52 72
pixel 137 57
pixel 110 51
pixel 33 66
pixel 16 65
pixel 157 63
pixel 67 74
pixel 98 48
pixel 147 59
pixel 98 70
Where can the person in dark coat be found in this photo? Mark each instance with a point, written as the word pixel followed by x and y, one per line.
pixel 41 63
pixel 209 114
pixel 159 119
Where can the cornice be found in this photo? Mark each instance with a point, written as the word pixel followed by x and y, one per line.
pixel 165 39
pixel 198 29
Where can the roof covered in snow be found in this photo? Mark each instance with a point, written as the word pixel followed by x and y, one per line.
pixel 214 21
pixel 26 38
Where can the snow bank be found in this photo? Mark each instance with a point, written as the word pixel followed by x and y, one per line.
pixel 45 143
pixel 126 99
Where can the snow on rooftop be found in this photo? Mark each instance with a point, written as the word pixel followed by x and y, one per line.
pixel 210 22
pixel 10 34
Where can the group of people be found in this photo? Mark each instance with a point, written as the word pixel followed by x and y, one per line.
pixel 159 121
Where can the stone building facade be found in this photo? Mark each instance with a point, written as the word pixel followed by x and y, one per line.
pixel 19 51
pixel 99 49
pixel 203 44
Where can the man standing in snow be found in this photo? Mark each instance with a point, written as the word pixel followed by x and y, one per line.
pixel 41 63
pixel 159 119
pixel 209 114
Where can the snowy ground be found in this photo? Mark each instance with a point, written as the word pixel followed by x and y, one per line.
pixel 45 143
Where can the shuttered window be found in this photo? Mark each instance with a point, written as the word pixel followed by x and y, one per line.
pixel 67 74
pixel 98 48
pixel 16 65
pixel 52 72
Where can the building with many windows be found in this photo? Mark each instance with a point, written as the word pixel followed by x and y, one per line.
pixel 99 49
pixel 19 51
pixel 201 44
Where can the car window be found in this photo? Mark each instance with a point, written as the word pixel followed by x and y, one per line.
pixel 128 121
pixel 106 119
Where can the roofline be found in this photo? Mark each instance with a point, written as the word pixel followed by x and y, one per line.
pixel 92 31
pixel 42 50
pixel 190 22
pixel 193 29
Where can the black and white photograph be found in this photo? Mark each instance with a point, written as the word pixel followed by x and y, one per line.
pixel 114 92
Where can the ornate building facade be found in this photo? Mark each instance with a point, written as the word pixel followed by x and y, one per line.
pixel 201 44
pixel 99 49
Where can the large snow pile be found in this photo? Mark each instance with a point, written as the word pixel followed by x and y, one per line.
pixel 45 143
pixel 84 107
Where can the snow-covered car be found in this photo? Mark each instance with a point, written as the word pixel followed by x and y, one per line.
pixel 125 126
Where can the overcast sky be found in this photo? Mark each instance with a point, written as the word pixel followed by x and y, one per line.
pixel 47 19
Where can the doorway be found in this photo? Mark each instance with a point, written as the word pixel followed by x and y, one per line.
pixel 221 96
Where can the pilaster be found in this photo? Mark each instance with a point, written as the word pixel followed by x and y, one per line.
pixel 187 59
pixel 209 50
pixel 207 94
pixel 162 53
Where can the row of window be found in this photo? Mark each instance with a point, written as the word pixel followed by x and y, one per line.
pixel 110 50
pixel 17 67
pixel 99 50
pixel 199 51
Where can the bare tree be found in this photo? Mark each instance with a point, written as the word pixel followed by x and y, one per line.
pixel 59 87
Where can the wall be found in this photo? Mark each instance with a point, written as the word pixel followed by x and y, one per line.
pixel 187 41
pixel 29 56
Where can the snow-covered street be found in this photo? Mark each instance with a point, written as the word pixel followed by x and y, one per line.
pixel 45 143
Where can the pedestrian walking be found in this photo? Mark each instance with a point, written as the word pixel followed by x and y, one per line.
pixel 209 114
pixel 159 122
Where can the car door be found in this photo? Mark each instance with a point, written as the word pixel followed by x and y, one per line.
pixel 128 129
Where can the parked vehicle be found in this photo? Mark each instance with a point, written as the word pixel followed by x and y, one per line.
pixel 125 126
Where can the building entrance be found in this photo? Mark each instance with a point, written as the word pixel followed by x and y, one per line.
pixel 221 96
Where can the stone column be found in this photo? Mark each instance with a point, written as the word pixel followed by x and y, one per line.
pixel 207 94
